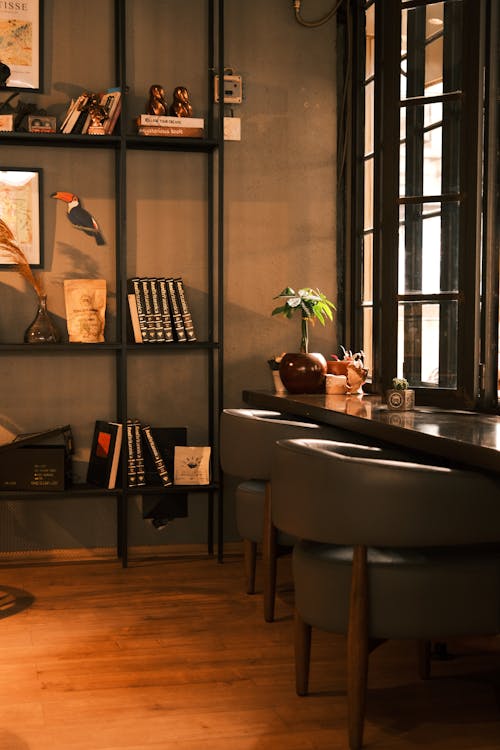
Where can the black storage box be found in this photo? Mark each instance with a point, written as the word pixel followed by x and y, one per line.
pixel 38 461
pixel 35 467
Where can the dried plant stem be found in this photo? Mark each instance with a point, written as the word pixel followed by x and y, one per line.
pixel 9 246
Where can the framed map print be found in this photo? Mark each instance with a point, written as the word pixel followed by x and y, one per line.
pixel 20 209
pixel 20 44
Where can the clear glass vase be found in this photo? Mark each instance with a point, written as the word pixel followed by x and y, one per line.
pixel 43 329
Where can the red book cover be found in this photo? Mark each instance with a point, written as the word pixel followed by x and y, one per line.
pixel 105 454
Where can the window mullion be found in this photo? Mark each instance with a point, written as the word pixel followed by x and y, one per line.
pixel 386 190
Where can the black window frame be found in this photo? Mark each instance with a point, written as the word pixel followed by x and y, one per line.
pixel 478 149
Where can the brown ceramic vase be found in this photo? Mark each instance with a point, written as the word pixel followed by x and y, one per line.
pixel 303 373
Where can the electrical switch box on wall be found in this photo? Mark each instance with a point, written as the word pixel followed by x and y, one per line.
pixel 233 89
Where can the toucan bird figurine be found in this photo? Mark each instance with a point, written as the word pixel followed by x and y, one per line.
pixel 79 216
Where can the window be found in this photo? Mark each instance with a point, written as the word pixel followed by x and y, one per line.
pixel 423 171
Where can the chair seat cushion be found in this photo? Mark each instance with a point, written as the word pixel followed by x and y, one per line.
pixel 422 593
pixel 250 498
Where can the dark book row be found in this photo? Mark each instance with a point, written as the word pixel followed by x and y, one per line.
pixel 159 312
pixel 150 454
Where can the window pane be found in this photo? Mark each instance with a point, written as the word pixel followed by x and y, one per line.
pixel 427 343
pixel 428 154
pixel 369 117
pixel 429 64
pixel 368 268
pixel 367 339
pixel 370 42
pixel 368 223
pixel 428 248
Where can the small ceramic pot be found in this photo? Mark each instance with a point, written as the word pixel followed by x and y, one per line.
pixel 303 373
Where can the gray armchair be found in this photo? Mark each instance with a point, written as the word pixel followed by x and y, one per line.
pixel 387 548
pixel 247 438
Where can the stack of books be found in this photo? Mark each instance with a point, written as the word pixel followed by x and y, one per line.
pixel 159 311
pixel 178 127
pixel 77 118
pixel 150 454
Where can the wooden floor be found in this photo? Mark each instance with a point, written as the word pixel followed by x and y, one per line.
pixel 172 655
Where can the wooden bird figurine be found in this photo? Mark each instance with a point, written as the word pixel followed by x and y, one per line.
pixel 180 106
pixel 157 104
pixel 79 216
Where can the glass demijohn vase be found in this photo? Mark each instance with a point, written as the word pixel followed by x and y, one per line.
pixel 42 330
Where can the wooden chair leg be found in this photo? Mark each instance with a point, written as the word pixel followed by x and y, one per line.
pixel 424 659
pixel 250 558
pixel 302 642
pixel 269 557
pixel 357 648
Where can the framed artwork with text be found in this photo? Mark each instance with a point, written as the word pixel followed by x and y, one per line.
pixel 20 44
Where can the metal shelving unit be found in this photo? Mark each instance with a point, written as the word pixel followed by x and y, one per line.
pixel 122 143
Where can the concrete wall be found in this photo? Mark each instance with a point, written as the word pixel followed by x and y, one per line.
pixel 280 184
pixel 279 231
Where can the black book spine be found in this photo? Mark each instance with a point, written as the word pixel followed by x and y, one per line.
pixel 141 309
pixel 157 457
pixel 185 311
pixel 141 473
pixel 178 326
pixel 131 455
pixel 165 309
pixel 148 309
pixel 82 117
pixel 157 317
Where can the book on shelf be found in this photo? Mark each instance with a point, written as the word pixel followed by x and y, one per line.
pixel 74 111
pixel 175 312
pixel 159 461
pixel 165 309
pixel 135 287
pixel 149 316
pixel 134 318
pixel 167 121
pixel 166 439
pixel 151 453
pixel 187 320
pixel 172 132
pixel 131 455
pixel 78 114
pixel 157 313
pixel 105 454
pixel 164 125
pixel 71 106
pixel 77 118
pixel 139 454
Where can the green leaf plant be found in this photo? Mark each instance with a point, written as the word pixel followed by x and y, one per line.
pixel 312 305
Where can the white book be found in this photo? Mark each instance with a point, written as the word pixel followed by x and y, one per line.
pixel 171 122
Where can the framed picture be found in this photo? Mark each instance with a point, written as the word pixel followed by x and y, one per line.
pixel 20 209
pixel 21 44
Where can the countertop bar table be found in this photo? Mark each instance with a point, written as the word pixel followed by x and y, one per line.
pixel 463 437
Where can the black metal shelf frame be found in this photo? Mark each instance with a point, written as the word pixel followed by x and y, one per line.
pixel 213 149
